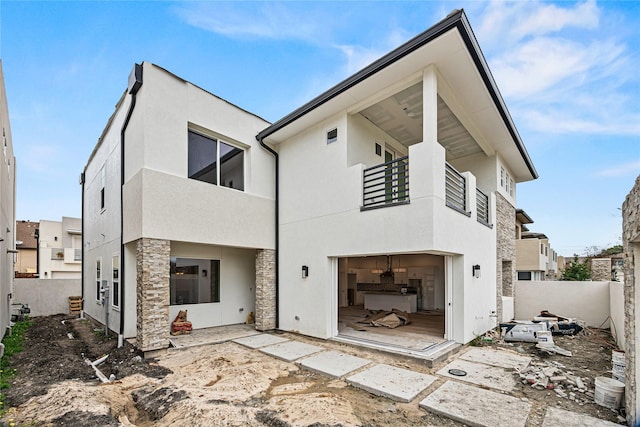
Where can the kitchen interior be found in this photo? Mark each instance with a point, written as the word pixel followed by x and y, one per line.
pixel 412 283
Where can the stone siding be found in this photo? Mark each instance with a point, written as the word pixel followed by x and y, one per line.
pixel 631 244
pixel 601 269
pixel 265 289
pixel 505 251
pixel 152 277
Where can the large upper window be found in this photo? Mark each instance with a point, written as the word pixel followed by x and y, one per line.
pixel 194 281
pixel 215 161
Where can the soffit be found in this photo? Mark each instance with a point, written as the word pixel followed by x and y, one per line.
pixel 401 116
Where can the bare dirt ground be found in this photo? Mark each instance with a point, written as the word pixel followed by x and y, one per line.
pixel 227 384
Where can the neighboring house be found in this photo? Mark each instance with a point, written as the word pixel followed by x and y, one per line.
pixel 396 187
pixel 60 249
pixel 7 211
pixel 536 260
pixel 188 221
pixel 27 247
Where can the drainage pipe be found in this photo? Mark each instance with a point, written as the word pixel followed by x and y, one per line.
pixel 135 82
pixel 277 227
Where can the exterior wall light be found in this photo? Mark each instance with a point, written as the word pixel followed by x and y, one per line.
pixel 305 271
pixel 476 271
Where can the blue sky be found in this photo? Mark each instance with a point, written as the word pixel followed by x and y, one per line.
pixel 568 72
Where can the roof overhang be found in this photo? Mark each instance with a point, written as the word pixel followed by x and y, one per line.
pixel 522 217
pixel 451 46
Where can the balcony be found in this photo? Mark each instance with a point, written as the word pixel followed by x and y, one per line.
pixel 386 184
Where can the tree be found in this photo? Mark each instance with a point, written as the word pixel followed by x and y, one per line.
pixel 577 271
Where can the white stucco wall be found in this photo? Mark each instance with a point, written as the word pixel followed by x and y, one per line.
pixel 587 301
pixel 46 297
pixel 616 301
pixel 321 220
pixel 7 210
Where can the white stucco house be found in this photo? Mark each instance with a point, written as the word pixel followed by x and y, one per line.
pixel 396 188
pixel 60 248
pixel 7 211
pixel 171 230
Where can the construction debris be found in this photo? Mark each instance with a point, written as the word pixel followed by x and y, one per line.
pixel 550 376
pixel 180 324
pixel 389 319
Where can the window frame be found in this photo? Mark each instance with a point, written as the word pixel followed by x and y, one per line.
pixel 98 277
pixel 213 272
pixel 115 281
pixel 217 140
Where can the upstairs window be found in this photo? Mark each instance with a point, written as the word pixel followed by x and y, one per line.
pixel 216 162
pixel 103 180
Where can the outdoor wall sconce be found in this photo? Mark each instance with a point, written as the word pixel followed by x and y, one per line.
pixel 305 271
pixel 476 271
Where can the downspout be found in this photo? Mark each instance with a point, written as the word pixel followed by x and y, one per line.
pixel 82 247
pixel 277 229
pixel 135 82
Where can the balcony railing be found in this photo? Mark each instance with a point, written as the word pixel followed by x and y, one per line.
pixel 455 189
pixel 482 207
pixel 386 184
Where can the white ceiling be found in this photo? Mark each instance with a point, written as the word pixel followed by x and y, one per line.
pixel 400 115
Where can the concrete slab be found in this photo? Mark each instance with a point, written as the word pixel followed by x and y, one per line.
pixel 559 417
pixel 481 374
pixel 477 407
pixel 333 363
pixel 291 350
pixel 261 340
pixel 500 358
pixel 214 335
pixel 388 381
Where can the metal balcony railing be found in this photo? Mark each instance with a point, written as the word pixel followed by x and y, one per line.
pixel 482 206
pixel 455 189
pixel 386 184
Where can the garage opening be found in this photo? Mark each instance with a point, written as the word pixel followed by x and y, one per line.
pixel 393 300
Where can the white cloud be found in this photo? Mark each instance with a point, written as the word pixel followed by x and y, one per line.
pixel 251 20
pixel 561 67
pixel 632 168
pixel 511 22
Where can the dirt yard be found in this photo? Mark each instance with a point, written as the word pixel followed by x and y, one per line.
pixel 229 385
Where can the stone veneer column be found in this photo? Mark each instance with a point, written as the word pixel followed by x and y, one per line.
pixel 152 277
pixel 601 269
pixel 631 244
pixel 265 289
pixel 505 250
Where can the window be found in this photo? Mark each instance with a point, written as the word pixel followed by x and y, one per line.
pixel 378 149
pixel 98 277
pixel 524 275
pixel 332 136
pixel 205 154
pixel 507 180
pixel 194 281
pixel 541 248
pixel 511 187
pixel 546 251
pixel 115 287
pixel 502 177
pixel 103 179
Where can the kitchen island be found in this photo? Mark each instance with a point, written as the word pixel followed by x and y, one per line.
pixel 390 300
